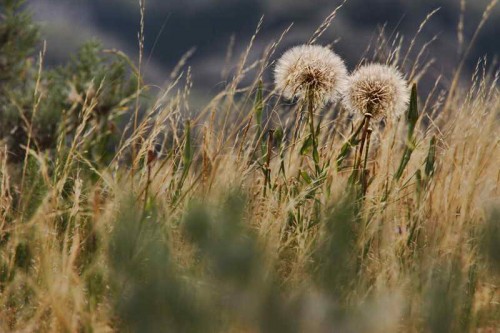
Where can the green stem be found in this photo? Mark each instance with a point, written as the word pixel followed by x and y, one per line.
pixel 364 180
pixel 363 139
pixel 315 154
pixel 267 167
pixel 358 159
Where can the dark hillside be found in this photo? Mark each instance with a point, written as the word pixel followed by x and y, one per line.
pixel 180 25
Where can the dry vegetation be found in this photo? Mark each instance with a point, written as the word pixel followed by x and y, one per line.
pixel 219 220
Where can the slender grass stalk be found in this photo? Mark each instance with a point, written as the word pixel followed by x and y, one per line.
pixel 37 97
pixel 142 8
pixel 364 172
pixel 267 164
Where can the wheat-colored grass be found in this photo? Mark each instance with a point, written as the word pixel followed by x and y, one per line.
pixel 221 154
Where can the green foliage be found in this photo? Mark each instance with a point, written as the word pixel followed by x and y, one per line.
pixel 336 255
pixel 489 241
pixel 150 294
pixel 23 256
pixel 225 242
pixel 430 161
pixel 412 115
pixel 92 81
pixel 18 38
pixel 412 118
pixel 229 284
pixel 259 107
pixel 37 188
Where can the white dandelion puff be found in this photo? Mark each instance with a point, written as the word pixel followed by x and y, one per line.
pixel 378 90
pixel 311 69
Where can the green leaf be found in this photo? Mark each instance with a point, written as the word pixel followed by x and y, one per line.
pixel 404 161
pixel 306 147
pixel 419 184
pixel 188 154
pixel 412 115
pixel 318 128
pixel 412 118
pixel 344 151
pixel 315 155
pixel 306 177
pixel 258 109
pixel 259 105
pixel 431 158
pixel 278 135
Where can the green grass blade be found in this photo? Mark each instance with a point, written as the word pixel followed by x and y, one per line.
pixel 412 115
pixel 431 158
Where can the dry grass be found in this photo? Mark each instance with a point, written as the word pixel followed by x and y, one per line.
pixel 415 259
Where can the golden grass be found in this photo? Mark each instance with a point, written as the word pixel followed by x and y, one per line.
pixel 406 228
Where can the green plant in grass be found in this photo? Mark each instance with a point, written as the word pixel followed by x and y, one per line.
pixel 411 118
pixel 49 105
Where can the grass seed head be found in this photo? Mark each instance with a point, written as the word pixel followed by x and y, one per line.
pixel 378 89
pixel 311 68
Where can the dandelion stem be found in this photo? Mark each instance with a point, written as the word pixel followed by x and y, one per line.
pixel 364 181
pixel 364 135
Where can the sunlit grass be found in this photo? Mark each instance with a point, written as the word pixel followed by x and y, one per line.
pixel 141 214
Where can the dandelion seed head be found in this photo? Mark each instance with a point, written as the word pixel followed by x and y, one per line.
pixel 311 68
pixel 378 89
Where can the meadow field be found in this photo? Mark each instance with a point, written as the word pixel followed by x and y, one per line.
pixel 330 199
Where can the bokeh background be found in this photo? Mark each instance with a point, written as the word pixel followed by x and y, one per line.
pixel 173 27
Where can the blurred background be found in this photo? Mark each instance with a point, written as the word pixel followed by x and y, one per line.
pixel 173 27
